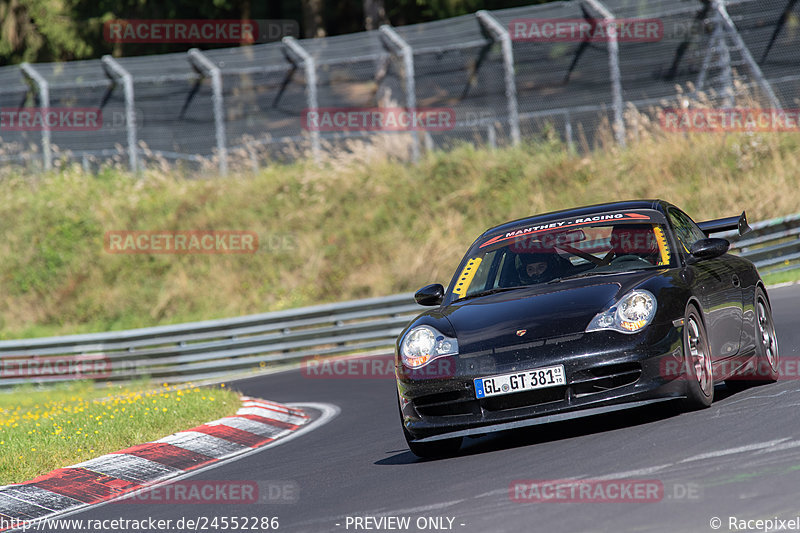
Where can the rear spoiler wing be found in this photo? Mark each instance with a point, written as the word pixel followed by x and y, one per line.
pixel 726 224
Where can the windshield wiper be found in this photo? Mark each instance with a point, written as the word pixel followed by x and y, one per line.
pixel 489 291
pixel 593 273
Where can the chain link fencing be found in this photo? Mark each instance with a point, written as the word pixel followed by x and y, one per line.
pixel 504 75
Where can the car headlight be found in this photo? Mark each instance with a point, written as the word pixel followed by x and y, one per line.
pixel 423 344
pixel 631 314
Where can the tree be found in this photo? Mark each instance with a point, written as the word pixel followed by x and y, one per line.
pixel 313 21
pixel 64 30
pixel 39 30
pixel 374 14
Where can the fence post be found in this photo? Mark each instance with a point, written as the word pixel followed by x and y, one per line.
pixel 716 35
pixel 613 66
pixel 500 33
pixel 429 146
pixel 207 68
pixel 725 18
pixel 398 46
pixel 718 44
pixel 293 49
pixel 491 135
pixel 44 100
pixel 115 71
pixel 568 132
pixel 727 73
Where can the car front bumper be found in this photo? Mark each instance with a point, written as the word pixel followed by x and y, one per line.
pixel 605 371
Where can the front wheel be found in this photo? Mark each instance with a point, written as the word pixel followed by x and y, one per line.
pixel 697 362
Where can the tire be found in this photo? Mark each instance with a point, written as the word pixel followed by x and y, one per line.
pixel 766 340
pixel 767 355
pixel 433 449
pixel 697 362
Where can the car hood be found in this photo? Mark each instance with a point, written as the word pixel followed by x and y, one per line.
pixel 536 312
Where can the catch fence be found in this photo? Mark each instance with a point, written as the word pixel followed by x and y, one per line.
pixel 502 75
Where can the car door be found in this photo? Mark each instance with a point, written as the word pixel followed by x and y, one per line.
pixel 717 287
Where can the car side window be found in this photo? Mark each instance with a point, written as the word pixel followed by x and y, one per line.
pixel 479 283
pixel 686 230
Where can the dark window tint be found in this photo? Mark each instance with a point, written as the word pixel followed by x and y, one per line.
pixel 686 230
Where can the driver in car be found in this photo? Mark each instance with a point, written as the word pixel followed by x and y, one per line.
pixel 539 267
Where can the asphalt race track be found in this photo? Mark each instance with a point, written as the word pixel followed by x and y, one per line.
pixel 739 458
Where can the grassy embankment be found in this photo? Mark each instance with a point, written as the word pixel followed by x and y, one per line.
pixel 41 430
pixel 362 225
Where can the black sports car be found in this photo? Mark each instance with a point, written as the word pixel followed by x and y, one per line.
pixel 578 312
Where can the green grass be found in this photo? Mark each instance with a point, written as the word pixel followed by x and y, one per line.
pixel 781 277
pixel 361 225
pixel 41 430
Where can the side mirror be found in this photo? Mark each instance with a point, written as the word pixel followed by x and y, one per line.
pixel 430 294
pixel 708 249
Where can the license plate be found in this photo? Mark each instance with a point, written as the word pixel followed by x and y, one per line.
pixel 538 378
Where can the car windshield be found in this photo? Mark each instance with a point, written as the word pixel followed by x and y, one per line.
pixel 552 255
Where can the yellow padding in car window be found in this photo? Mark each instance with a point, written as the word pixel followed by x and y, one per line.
pixel 466 276
pixel 662 245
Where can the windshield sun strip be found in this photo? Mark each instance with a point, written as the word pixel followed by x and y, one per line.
pixel 571 223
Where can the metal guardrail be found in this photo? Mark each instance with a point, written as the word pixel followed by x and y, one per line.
pixel 234 346
pixel 773 245
pixel 209 349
